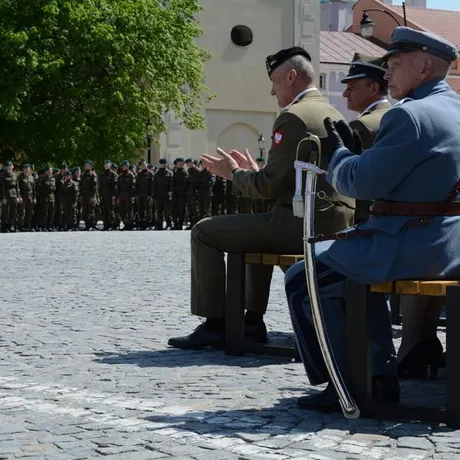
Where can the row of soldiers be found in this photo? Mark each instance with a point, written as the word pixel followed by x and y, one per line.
pixel 127 197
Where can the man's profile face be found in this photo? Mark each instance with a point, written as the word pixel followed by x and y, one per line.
pixel 282 81
pixel 359 93
pixel 404 73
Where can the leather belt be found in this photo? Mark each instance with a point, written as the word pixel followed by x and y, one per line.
pixel 415 208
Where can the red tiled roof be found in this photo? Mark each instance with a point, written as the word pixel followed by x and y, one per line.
pixel 444 23
pixel 340 47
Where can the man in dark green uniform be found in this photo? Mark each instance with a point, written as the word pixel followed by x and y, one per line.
pixel 179 194
pixel 126 195
pixel 205 184
pixel 76 177
pixel 89 195
pixel 144 194
pixel 231 198
pixel 192 185
pixel 367 94
pixel 162 183
pixel 10 197
pixel 59 177
pixel 218 196
pixel 108 194
pixel 69 200
pixel 152 222
pixel 46 189
pixel 28 199
pixel 305 108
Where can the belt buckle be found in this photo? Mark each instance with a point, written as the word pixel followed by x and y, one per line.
pixel 341 236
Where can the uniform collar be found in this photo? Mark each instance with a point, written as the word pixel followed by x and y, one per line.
pixel 371 106
pixel 425 89
pixel 299 97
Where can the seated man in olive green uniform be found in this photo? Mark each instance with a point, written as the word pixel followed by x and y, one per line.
pixel 367 94
pixel 304 109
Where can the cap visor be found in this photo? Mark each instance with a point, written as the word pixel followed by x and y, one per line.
pixel 353 77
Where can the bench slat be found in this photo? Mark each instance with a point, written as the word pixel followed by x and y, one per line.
pixel 253 259
pixel 386 288
pixel 288 260
pixel 435 288
pixel 407 287
pixel 271 259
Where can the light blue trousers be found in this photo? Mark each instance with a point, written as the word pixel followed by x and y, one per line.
pixel 331 286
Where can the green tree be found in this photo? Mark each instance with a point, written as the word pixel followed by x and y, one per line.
pixel 80 78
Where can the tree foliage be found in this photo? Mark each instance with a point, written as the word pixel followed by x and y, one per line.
pixel 80 78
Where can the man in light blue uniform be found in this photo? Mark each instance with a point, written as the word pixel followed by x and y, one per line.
pixel 412 170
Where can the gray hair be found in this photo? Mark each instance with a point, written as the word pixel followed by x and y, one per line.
pixel 302 66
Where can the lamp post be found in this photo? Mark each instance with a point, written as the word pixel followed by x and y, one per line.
pixel 261 143
pixel 148 135
pixel 367 26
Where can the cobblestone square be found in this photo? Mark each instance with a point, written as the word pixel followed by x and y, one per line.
pixel 86 373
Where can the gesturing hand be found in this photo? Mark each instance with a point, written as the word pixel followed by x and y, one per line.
pixel 244 160
pixel 351 138
pixel 222 166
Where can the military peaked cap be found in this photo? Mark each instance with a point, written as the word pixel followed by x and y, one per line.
pixel 179 159
pixel 25 165
pixel 364 66
pixel 67 173
pixel 188 160
pixel 62 166
pixel 163 161
pixel 88 162
pixel 275 60
pixel 125 163
pixel 107 162
pixel 9 163
pixel 405 40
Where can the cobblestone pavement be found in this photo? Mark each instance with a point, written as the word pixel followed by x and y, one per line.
pixel 86 372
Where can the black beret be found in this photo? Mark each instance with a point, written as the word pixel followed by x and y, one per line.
pixel 275 60
pixel 260 159
pixel 179 159
pixel 163 161
pixel 63 165
pixel 67 173
pixel 188 160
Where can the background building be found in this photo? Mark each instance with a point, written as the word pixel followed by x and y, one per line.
pixel 243 108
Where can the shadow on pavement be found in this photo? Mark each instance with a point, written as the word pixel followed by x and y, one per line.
pixel 285 418
pixel 173 357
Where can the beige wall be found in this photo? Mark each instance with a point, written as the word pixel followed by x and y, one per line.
pixel 243 108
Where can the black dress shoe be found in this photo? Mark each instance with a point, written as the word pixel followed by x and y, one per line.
pixel 385 388
pixel 203 336
pixel 255 332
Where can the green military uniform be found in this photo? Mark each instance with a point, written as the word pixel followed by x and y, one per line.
pixel 76 177
pixel 46 189
pixel 179 194
pixel 28 199
pixel 68 197
pixel 192 185
pixel 126 195
pixel 368 123
pixel 89 196
pixel 277 231
pixel 9 195
pixel 231 198
pixel 218 196
pixel 261 206
pixel 144 194
pixel 162 195
pixel 205 184
pixel 58 212
pixel 108 194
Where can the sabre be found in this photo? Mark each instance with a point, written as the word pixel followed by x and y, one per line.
pixel 307 212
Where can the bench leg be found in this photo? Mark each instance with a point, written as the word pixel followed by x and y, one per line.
pixel 358 345
pixel 235 304
pixel 452 356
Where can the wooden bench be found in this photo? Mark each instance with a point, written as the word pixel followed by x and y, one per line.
pixel 236 303
pixel 358 350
